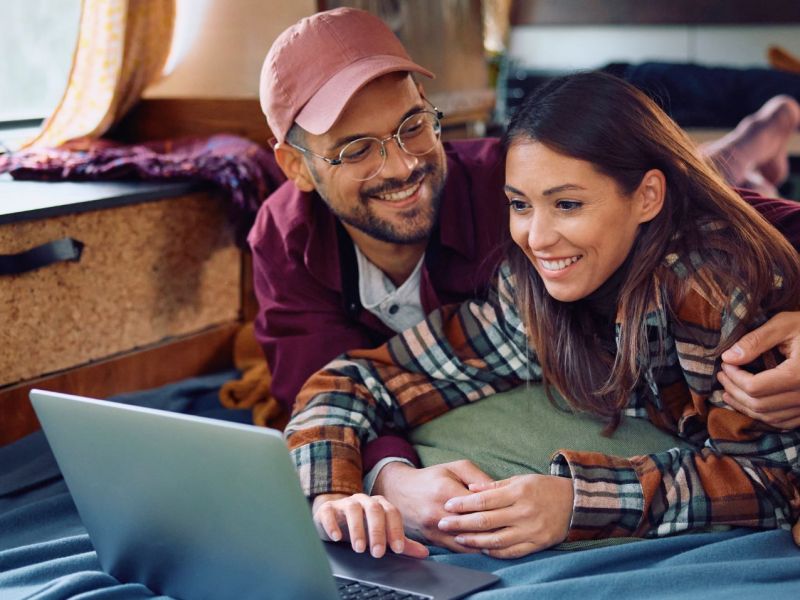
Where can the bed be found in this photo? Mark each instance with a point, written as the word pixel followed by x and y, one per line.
pixel 45 552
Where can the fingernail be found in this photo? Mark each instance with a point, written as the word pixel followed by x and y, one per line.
pixel 377 550
pixel 460 539
pixel 734 351
pixel 444 523
pixel 450 505
pixel 359 546
pixel 398 546
pixel 335 536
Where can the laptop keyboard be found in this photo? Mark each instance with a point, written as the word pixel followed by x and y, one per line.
pixel 359 590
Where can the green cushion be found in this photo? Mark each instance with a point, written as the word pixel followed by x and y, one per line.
pixel 518 431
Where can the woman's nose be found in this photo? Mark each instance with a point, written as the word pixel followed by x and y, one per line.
pixel 542 232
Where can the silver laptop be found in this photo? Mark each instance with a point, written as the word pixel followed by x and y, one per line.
pixel 200 508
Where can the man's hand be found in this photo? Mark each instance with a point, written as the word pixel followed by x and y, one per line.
pixel 367 521
pixel 512 517
pixel 772 396
pixel 420 494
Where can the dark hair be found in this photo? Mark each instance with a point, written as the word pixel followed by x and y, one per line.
pixel 296 135
pixel 605 121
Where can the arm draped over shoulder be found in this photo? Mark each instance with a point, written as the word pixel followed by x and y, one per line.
pixel 459 354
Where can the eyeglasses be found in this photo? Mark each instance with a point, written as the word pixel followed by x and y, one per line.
pixel 364 158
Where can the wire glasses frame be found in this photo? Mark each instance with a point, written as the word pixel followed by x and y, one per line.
pixel 363 158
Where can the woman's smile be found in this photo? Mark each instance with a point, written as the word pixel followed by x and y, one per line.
pixel 556 267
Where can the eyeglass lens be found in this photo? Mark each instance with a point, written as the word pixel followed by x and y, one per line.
pixel 364 158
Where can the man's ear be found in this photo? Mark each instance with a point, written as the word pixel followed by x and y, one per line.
pixel 291 162
pixel 650 194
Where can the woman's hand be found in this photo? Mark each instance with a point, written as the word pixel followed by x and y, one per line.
pixel 420 494
pixel 368 521
pixel 512 517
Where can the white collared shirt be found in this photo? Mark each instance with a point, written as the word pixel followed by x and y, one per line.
pixel 399 308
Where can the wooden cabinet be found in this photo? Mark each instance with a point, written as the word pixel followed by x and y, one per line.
pixel 155 297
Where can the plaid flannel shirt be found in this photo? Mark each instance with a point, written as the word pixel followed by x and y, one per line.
pixel 741 473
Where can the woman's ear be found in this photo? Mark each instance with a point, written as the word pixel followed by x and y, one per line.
pixel 291 162
pixel 650 194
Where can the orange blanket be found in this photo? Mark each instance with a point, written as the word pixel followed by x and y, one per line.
pixel 252 390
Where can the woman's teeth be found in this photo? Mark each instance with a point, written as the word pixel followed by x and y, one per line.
pixel 557 265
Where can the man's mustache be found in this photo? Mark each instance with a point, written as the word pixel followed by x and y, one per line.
pixel 391 185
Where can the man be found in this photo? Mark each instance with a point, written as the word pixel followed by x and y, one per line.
pixel 379 224
pixel 320 257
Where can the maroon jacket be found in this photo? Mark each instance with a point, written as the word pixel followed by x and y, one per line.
pixel 306 276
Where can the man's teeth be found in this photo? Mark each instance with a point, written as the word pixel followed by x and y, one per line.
pixel 557 265
pixel 401 195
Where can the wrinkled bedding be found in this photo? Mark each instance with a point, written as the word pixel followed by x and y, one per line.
pixel 45 552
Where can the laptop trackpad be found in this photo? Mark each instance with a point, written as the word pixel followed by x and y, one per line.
pixel 425 577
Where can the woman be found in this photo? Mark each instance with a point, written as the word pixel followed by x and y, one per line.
pixel 633 268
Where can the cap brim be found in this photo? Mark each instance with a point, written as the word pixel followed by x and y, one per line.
pixel 324 108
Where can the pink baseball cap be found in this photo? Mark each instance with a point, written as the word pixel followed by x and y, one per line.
pixel 316 66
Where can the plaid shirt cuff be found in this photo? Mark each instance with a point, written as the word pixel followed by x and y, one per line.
pixel 608 498
pixel 328 468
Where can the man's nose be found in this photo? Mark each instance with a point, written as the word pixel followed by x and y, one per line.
pixel 398 164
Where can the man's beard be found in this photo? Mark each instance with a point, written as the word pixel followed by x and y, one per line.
pixel 419 220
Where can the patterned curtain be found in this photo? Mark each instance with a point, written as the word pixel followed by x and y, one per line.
pixel 122 47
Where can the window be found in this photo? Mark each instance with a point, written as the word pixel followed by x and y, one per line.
pixel 37 41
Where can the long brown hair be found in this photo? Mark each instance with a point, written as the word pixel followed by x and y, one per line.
pixel 603 120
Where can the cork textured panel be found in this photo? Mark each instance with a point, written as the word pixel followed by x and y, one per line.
pixel 148 271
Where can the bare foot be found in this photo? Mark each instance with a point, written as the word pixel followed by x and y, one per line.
pixel 755 181
pixel 754 153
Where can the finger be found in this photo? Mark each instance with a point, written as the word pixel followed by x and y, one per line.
pixel 326 519
pixel 354 516
pixel 488 485
pixel 376 528
pixel 477 521
pixel 489 540
pixel 781 379
pixel 788 418
pixel 788 423
pixel 435 537
pixel 414 549
pixel 796 533
pixel 449 542
pixel 481 501
pixel 754 344
pixel 771 410
pixel 468 472
pixel 395 534
pixel 761 405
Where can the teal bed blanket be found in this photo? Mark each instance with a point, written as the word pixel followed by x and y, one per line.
pixel 45 552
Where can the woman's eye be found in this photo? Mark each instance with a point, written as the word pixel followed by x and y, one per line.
pixel 517 205
pixel 567 205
